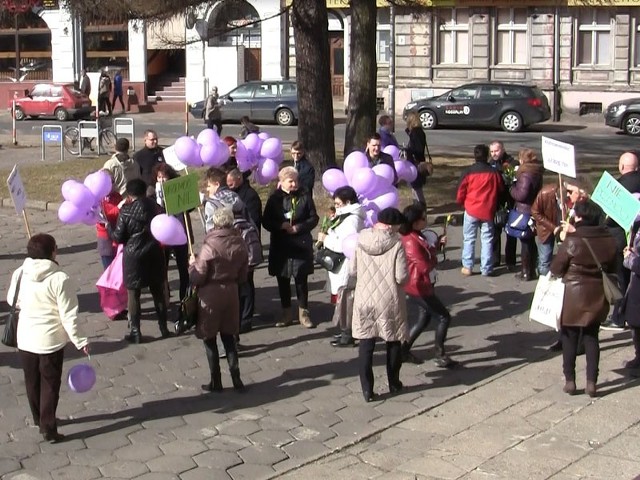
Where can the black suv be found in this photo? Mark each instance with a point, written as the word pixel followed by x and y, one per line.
pixel 509 106
pixel 624 115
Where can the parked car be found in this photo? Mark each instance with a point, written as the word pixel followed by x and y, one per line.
pixel 261 101
pixel 509 106
pixel 625 115
pixel 52 100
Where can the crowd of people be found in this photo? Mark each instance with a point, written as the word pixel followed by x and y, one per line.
pixel 393 266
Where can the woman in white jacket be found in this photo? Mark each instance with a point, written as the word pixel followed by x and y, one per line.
pixel 48 320
pixel 349 219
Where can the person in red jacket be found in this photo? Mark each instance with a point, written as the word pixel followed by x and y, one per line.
pixel 111 209
pixel 479 191
pixel 421 264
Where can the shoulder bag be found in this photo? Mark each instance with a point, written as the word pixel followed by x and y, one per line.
pixel 612 291
pixel 10 335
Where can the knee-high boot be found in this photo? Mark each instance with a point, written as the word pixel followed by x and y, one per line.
pixel 234 368
pixel 214 367
pixel 421 324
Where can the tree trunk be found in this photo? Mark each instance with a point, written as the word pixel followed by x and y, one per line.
pixel 361 114
pixel 315 104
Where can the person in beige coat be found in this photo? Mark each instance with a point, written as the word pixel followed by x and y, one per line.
pixel 379 308
pixel 222 264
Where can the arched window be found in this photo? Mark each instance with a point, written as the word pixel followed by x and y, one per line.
pixel 234 23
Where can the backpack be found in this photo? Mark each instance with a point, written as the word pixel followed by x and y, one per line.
pixel 251 239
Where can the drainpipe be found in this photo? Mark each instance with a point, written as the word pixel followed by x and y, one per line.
pixel 392 62
pixel 556 66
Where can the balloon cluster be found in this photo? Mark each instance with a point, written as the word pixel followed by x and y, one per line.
pixel 374 186
pixel 82 200
pixel 258 152
pixel 168 230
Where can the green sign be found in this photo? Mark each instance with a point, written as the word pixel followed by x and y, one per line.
pixel 181 194
pixel 616 201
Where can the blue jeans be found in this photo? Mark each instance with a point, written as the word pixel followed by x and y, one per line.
pixel 545 254
pixel 469 232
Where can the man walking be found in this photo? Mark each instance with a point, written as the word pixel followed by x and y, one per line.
pixel 85 83
pixel 104 91
pixel 117 91
pixel 478 193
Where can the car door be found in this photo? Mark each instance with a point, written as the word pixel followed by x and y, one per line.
pixel 487 107
pixel 265 99
pixel 37 103
pixel 456 107
pixel 237 103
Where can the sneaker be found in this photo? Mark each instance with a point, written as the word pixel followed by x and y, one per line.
pixel 610 325
pixel 466 271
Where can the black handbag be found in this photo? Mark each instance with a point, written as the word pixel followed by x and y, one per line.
pixel 188 315
pixel 329 260
pixel 10 335
pixel 612 291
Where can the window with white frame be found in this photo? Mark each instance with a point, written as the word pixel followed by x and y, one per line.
pixel 453 36
pixel 594 37
pixel 383 35
pixel 511 36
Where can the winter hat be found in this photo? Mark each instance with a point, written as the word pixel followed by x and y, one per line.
pixel 391 216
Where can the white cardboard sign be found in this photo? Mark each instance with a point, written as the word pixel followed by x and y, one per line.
pixel 558 157
pixel 169 154
pixel 16 190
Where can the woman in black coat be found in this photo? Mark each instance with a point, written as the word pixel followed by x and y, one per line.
pixel 143 260
pixel 415 154
pixel 290 216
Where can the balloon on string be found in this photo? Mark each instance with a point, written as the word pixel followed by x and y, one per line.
pixel 242 157
pixel 412 172
pixel 381 187
pixel 69 213
pixel 208 136
pixel 99 183
pixel 82 378
pixel 402 167
pixel 393 151
pixel 353 162
pixel 349 245
pixel 386 172
pixel 264 135
pixel 363 180
pixel 333 179
pixel 76 193
pixel 268 169
pixel 208 154
pixel 188 151
pixel 221 155
pixel 271 148
pixel 386 200
pixel 258 178
pixel 252 142
pixel 168 230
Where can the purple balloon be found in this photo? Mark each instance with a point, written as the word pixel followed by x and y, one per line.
pixel 393 151
pixel 386 200
pixel 349 245
pixel 382 186
pixel 208 154
pixel 222 154
pixel 168 230
pixel 90 217
pixel 268 169
pixel 188 151
pixel 68 213
pixel 76 193
pixel 385 172
pixel 264 135
pixel 99 184
pixel 402 167
pixel 82 378
pixel 372 218
pixel 280 158
pixel 363 180
pixel 412 172
pixel 353 162
pixel 66 188
pixel 333 179
pixel 252 142
pixel 208 136
pixel 242 157
pixel 271 148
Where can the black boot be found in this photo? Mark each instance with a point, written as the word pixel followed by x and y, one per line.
pixel 134 335
pixel 394 362
pixel 234 369
pixel 214 368
pixel 424 317
pixel 442 360
pixel 164 331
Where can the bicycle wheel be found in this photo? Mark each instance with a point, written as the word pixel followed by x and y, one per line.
pixel 107 141
pixel 71 140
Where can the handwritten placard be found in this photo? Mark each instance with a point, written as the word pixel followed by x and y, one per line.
pixel 616 201
pixel 559 157
pixel 16 190
pixel 181 194
pixel 169 154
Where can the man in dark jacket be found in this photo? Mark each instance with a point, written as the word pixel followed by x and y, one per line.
pixel 500 160
pixel 478 192
pixel 143 261
pixel 148 157
pixel 630 179
pixel 306 172
pixel 376 156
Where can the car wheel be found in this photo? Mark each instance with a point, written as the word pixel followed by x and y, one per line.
pixel 284 117
pixel 61 114
pixel 428 120
pixel 632 124
pixel 19 114
pixel 511 122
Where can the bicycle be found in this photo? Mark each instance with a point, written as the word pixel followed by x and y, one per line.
pixel 106 137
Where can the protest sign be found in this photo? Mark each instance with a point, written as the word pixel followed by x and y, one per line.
pixel 16 190
pixel 558 157
pixel 616 201
pixel 172 159
pixel 181 194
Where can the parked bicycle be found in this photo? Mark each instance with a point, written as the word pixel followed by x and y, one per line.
pixel 106 137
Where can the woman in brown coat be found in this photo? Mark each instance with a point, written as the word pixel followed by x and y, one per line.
pixel 379 306
pixel 584 307
pixel 222 264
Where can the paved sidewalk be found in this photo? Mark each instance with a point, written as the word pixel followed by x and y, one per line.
pixel 303 415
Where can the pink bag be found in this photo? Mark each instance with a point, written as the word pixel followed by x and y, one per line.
pixel 111 287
